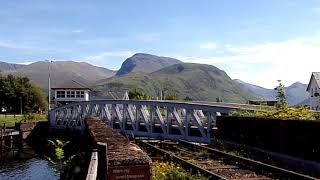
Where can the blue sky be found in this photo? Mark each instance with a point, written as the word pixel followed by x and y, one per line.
pixel 256 41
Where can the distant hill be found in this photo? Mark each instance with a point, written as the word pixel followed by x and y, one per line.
pixel 296 93
pixel 9 66
pixel 260 92
pixel 62 71
pixel 198 81
pixel 147 63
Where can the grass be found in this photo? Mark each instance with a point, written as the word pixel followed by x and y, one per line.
pixel 10 121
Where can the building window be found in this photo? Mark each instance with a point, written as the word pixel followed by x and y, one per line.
pixel 73 94
pixel 68 94
pixel 80 94
pixel 61 94
pixel 77 94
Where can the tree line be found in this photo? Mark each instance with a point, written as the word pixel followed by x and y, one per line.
pixel 19 94
pixel 141 95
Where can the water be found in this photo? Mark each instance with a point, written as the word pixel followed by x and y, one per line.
pixel 29 163
pixel 32 169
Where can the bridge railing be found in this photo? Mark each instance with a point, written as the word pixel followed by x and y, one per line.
pixel 192 121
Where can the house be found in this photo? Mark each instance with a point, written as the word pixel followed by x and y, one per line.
pixel 314 90
pixel 70 91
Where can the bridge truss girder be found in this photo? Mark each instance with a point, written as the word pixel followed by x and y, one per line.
pixel 157 119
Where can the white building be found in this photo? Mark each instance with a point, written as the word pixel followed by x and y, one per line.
pixel 70 91
pixel 314 90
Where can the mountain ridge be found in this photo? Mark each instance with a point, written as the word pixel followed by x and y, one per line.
pixel 83 72
pixel 197 79
pixel 4 66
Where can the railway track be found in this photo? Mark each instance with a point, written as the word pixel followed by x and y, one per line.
pixel 213 163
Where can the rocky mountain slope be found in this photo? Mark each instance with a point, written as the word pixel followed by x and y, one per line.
pixel 147 63
pixel 197 81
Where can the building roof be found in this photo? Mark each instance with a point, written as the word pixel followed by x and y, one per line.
pixel 316 76
pixel 72 85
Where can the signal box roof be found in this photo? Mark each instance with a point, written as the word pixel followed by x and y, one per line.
pixel 72 85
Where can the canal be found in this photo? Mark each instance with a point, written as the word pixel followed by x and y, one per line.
pixel 47 156
pixel 32 169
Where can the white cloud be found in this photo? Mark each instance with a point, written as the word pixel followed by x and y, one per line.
pixel 147 37
pixel 77 31
pixel 209 45
pixel 5 44
pixel 109 59
pixel 26 63
pixel 316 10
pixel 25 48
pixel 107 54
pixel 291 61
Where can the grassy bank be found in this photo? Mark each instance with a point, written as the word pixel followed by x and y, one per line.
pixel 10 120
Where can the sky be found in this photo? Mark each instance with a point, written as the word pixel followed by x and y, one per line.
pixel 257 41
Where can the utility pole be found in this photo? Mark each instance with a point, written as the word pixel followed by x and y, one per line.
pixel 20 105
pixel 49 87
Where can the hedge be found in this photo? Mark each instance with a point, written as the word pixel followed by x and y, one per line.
pixel 299 138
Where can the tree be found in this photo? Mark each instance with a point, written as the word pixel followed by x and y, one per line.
pixel 19 91
pixel 172 96
pixel 188 98
pixel 139 95
pixel 219 99
pixel 281 96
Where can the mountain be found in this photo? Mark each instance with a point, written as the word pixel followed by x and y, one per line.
pixel 296 93
pixel 62 71
pixel 198 81
pixel 147 63
pixel 9 67
pixel 153 74
pixel 260 92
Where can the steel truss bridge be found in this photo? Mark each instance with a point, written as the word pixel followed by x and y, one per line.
pixel 191 121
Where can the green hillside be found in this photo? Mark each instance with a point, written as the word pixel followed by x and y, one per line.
pixel 198 81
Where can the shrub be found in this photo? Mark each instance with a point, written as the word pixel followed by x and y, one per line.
pixel 171 171
pixel 284 112
pixel 33 117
